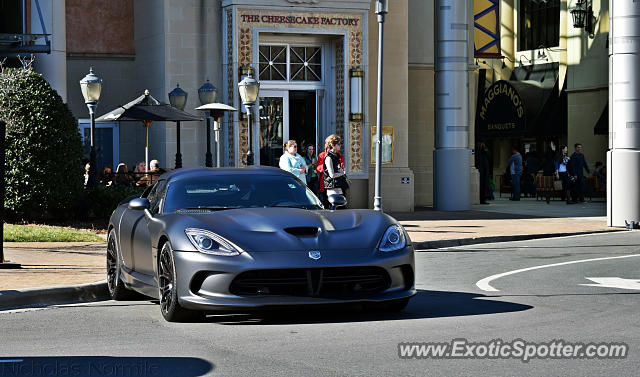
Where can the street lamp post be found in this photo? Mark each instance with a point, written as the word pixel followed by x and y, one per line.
pixel 216 111
pixel 382 8
pixel 249 88
pixel 178 99
pixel 91 86
pixel 207 94
pixel 3 263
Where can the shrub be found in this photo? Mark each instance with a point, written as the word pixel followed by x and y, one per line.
pixel 44 173
pixel 103 200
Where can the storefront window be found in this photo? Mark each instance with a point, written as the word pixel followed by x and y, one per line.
pixel 290 63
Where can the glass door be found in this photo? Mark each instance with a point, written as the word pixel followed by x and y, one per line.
pixel 274 126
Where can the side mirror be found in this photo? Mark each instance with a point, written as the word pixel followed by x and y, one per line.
pixel 139 204
pixel 337 201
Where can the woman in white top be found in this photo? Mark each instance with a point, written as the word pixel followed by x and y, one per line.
pixel 292 162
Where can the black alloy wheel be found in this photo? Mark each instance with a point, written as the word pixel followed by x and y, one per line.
pixel 117 290
pixel 168 293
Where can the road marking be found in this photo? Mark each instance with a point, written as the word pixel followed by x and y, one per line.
pixel 615 282
pixel 485 286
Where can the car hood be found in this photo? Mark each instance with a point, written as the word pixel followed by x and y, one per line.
pixel 288 229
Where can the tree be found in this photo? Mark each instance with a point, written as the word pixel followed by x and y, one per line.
pixel 44 172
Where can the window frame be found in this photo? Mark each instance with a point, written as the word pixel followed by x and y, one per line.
pixel 543 16
pixel 289 73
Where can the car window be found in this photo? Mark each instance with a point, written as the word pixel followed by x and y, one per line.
pixel 155 196
pixel 239 191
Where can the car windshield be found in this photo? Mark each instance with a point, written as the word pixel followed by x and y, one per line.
pixel 219 192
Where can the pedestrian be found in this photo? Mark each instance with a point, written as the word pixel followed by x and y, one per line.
pixel 576 166
pixel 600 174
pixel 87 167
pixel 562 172
pixel 515 167
pixel 482 164
pixel 139 171
pixel 292 162
pixel 548 174
pixel 530 170
pixel 106 175
pixel 322 193
pixel 123 177
pixel 335 179
pixel 312 177
pixel 152 174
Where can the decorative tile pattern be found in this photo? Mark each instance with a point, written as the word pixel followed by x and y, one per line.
pixel 355 45
pixel 247 19
pixel 244 46
pixel 355 150
pixel 230 87
pixel 244 143
pixel 340 91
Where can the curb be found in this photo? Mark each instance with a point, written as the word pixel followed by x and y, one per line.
pixel 426 246
pixel 11 299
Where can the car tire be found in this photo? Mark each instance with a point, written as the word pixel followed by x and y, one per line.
pixel 117 289
pixel 168 292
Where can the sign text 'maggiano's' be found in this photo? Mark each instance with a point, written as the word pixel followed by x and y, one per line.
pixel 300 20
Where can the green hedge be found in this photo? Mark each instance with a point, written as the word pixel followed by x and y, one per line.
pixel 44 172
pixel 102 200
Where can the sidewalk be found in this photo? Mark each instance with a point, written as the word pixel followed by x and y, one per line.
pixel 70 264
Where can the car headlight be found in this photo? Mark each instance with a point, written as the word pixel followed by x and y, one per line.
pixel 210 243
pixel 393 239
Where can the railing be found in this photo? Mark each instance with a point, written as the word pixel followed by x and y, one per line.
pixel 131 179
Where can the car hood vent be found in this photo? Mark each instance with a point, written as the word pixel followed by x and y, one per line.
pixel 194 211
pixel 303 231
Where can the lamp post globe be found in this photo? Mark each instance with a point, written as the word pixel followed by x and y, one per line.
pixel 91 86
pixel 207 94
pixel 178 99
pixel 249 89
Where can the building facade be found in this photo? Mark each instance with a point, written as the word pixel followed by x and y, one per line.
pixel 536 81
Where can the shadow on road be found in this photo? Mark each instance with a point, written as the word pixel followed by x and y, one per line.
pixel 426 304
pixel 104 366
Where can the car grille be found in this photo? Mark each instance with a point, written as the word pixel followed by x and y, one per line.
pixel 312 282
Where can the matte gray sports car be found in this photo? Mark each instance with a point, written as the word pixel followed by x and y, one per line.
pixel 211 239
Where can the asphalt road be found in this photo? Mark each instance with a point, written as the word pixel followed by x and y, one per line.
pixel 547 302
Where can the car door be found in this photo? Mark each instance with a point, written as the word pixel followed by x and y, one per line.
pixel 142 247
pixel 130 221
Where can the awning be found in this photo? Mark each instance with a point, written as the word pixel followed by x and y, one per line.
pixel 527 105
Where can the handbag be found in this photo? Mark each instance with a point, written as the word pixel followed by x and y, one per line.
pixel 557 185
pixel 342 182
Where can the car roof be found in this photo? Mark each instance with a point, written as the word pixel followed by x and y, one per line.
pixel 186 173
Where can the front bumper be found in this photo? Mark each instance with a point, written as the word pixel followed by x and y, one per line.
pixel 204 281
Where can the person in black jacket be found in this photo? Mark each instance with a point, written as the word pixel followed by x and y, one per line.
pixel 576 165
pixel 335 181
pixel 482 164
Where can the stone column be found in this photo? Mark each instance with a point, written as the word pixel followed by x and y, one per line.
pixel 623 157
pixel 451 178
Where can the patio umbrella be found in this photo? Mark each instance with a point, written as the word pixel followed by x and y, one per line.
pixel 147 109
